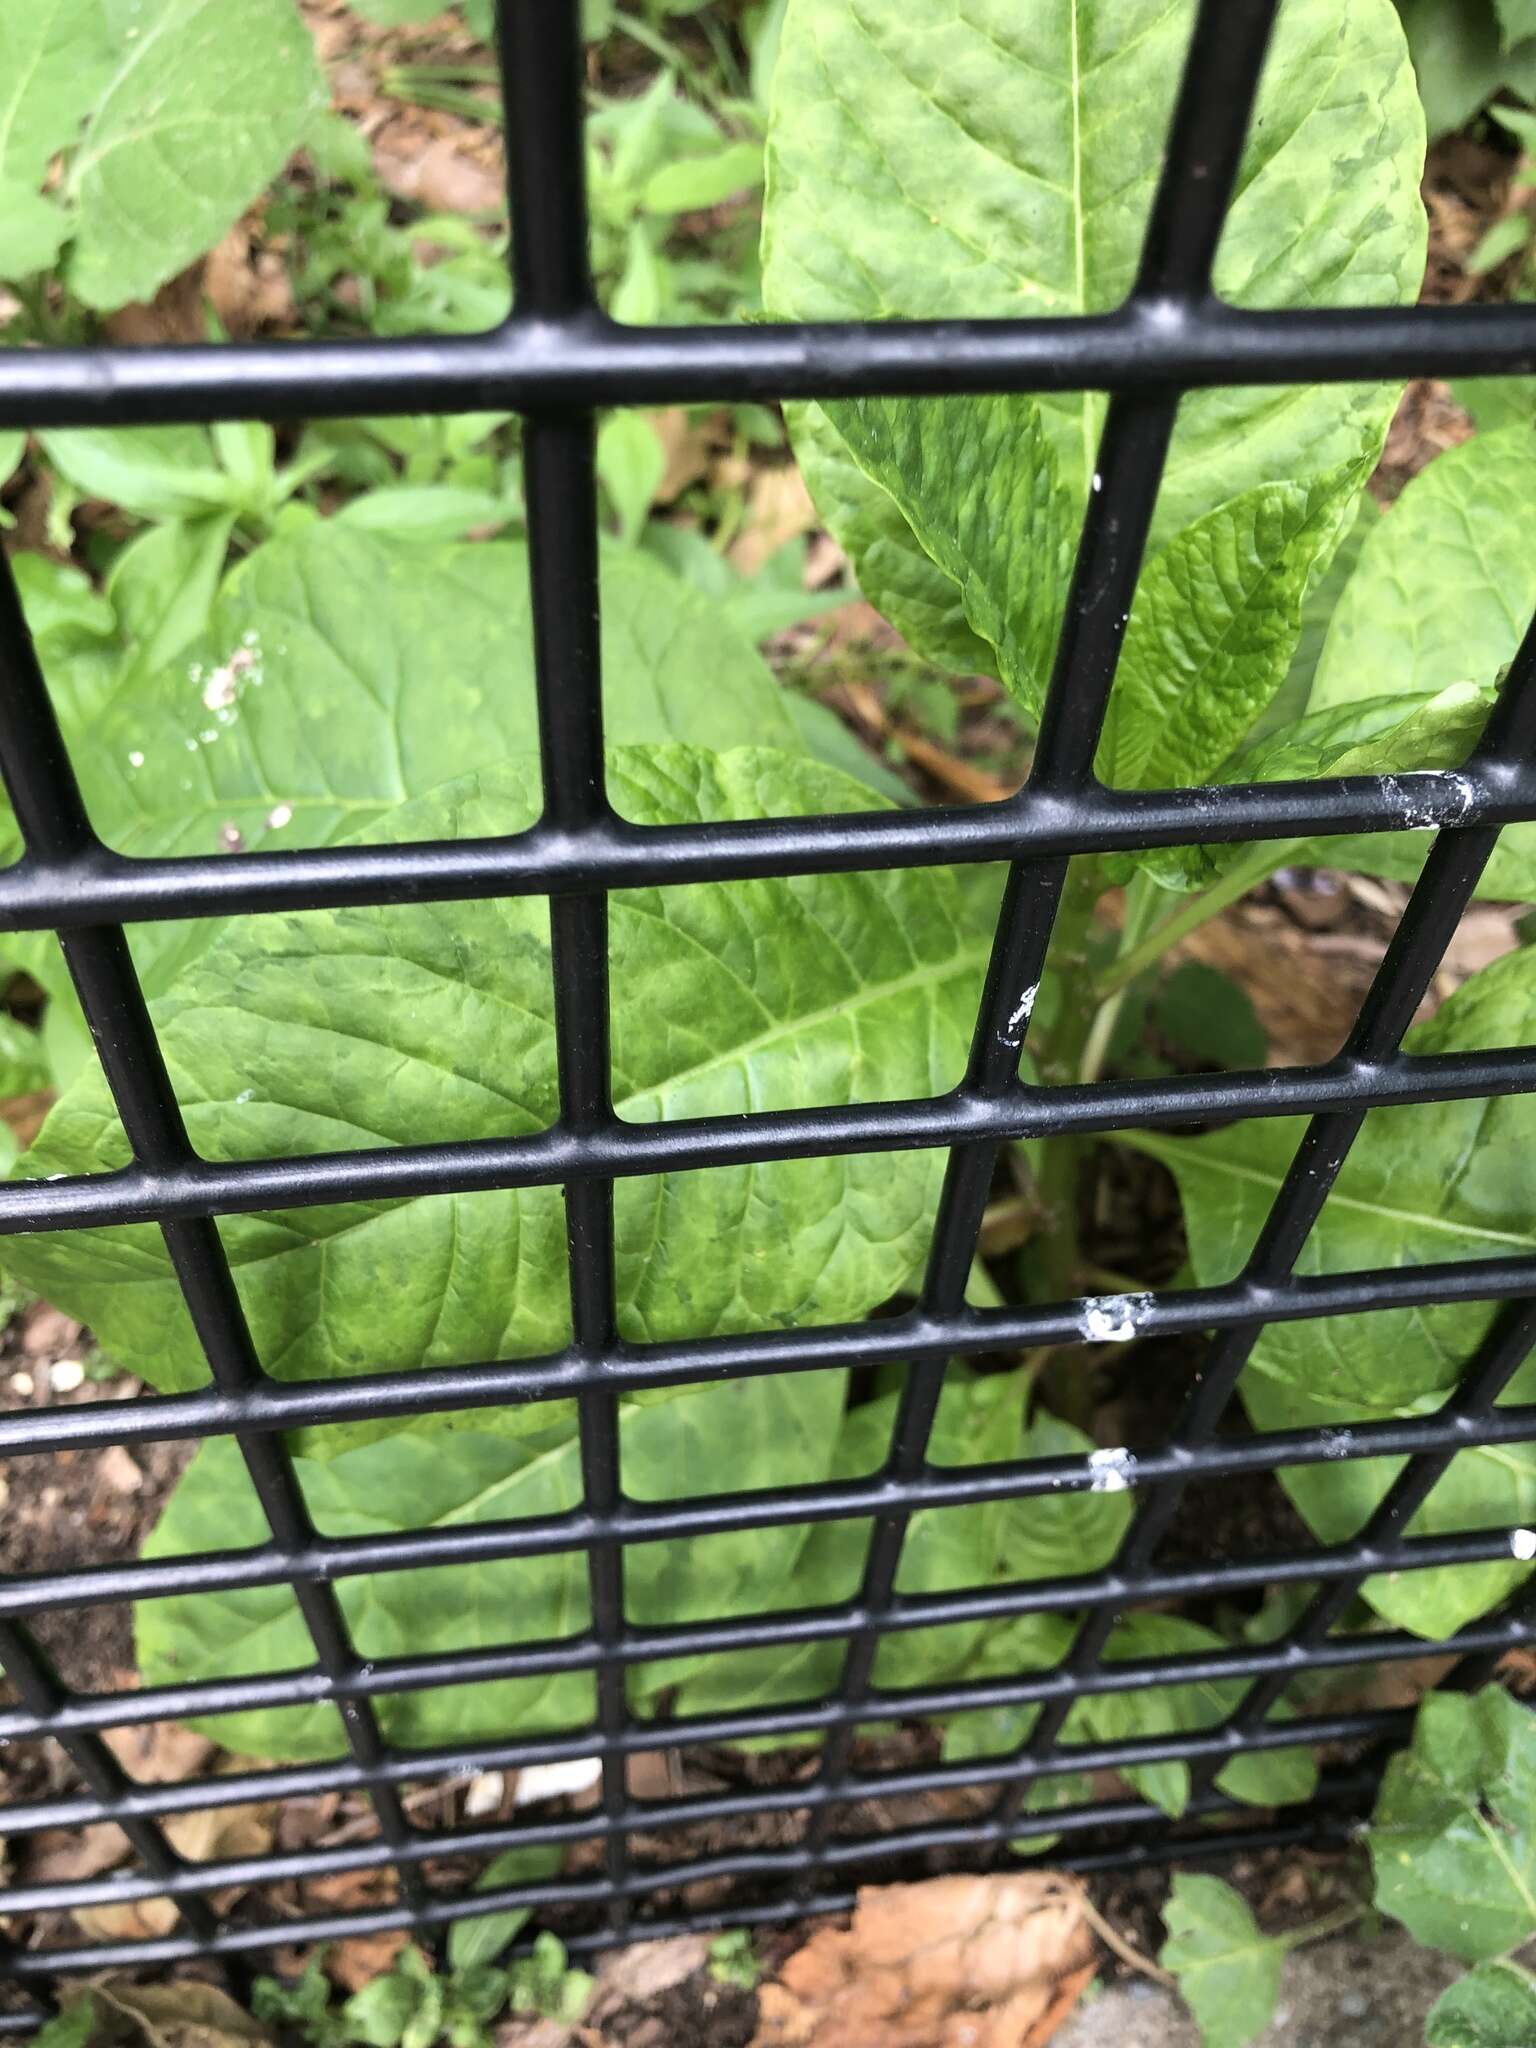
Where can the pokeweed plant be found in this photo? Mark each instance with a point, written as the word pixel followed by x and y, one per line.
pixel 1453 1858
pixel 339 686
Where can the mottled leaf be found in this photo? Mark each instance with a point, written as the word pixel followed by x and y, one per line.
pixel 1493 2006
pixel 369 1027
pixel 1434 1181
pixel 1453 1837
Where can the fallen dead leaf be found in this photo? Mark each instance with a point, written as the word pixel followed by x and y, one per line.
pixel 441 176
pixel 358 1959
pixel 958 1962
pixel 117 1471
pixel 184 2014
pixel 159 1753
pixel 689 445
pixel 778 509
pixel 636 1975
pixel 133 1920
pixel 66 1855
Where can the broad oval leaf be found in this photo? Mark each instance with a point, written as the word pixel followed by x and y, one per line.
pixel 742 1436
pixel 1493 2006
pixel 201 108
pixel 356 1028
pixel 1453 1837
pixel 1000 162
pixel 1429 1182
pixel 1228 1972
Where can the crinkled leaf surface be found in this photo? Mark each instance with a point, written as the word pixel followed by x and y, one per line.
pixel 744 1435
pixel 378 1027
pixel 55 58
pixel 1493 2006
pixel 1430 1182
pixel 1228 1972
pixel 979 159
pixel 1393 630
pixel 1213 628
pixel 202 106
pixel 343 673
pixel 1453 1837
pixel 1373 736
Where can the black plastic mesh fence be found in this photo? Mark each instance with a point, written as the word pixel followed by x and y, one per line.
pixel 556 360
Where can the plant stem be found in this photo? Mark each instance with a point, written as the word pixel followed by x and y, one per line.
pixel 1331 1923
pixel 1141 901
pixel 1260 862
pixel 1060 1158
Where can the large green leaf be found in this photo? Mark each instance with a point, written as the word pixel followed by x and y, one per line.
pixel 203 106
pixel 1430 1182
pixel 1262 1778
pixel 1493 2006
pixel 1228 1972
pixel 1372 736
pixel 367 1027
pixel 975 480
pixel 55 58
pixel 1393 630
pixel 742 1436
pixel 342 673
pixel 1213 628
pixel 1453 1837
pixel 1456 56
pixel 984 160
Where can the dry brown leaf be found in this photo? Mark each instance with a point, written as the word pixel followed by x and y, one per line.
pixel 215 1834
pixel 66 1855
pixel 248 291
pixel 636 1975
pixel 778 509
pixel 357 1960
pixel 184 2014
pixel 133 1920
pixel 689 446
pixel 159 1753
pixel 441 175
pixel 117 1471
pixel 958 1962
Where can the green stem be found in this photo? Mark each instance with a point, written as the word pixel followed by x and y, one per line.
pixel 1141 901
pixel 1255 866
pixel 1059 1158
pixel 1331 1923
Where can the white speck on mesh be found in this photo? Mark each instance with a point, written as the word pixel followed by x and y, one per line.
pixel 1013 1031
pixel 553 1781
pixel 1523 1543
pixel 1110 1471
pixel 1113 1318
pixel 1098 480
pixel 1337 1443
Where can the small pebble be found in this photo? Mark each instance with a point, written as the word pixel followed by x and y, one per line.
pixel 1354 2005
pixel 66 1375
pixel 21 1383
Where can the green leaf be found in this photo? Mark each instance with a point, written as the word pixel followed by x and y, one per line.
pixel 474 1943
pixel 1456 56
pixel 1323 593
pixel 1210 1017
pixel 703 181
pixel 631 463
pixel 1494 2006
pixel 203 106
pixel 153 472
pixel 1393 630
pixel 23 1066
pixel 1517 20
pixel 163 587
pixel 425 512
pixel 1228 1972
pixel 55 60
pixel 367 1027
pixel 1496 402
pixel 975 481
pixel 33 229
pixel 737 1437
pixel 1453 1837
pixel 1506 238
pixel 1214 626
pixel 1430 1182
pixel 381 2011
pixel 1370 736
pixel 1003 161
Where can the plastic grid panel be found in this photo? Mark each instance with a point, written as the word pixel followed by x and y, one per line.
pixel 554 361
